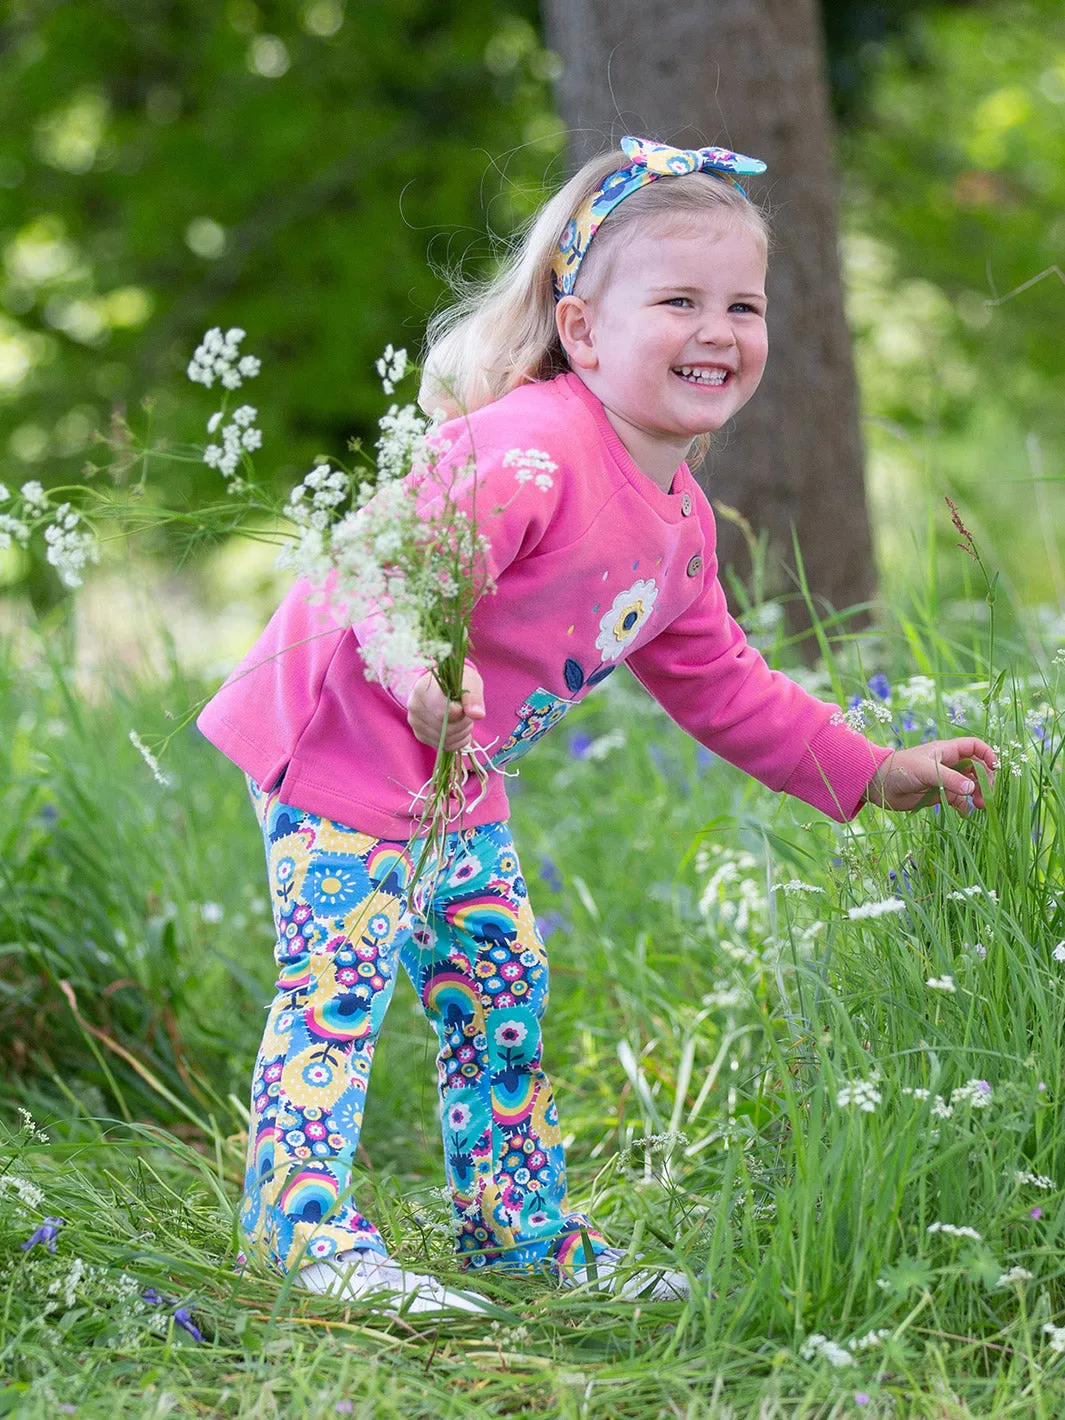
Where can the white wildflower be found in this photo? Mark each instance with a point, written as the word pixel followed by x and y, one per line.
pixel 1014 1275
pixel 69 1282
pixel 1056 1335
pixel 942 983
pixel 531 465
pixel 1037 1180
pixel 244 415
pixel 977 888
pixel 876 909
pixel 869 1340
pixel 34 495
pixel 70 545
pixel 1059 657
pixel 5 493
pixel 940 1108
pixel 252 439
pixel 12 528
pixel 214 421
pixel 918 1094
pixel 724 996
pixel 218 357
pixel 211 911
pixel 818 1347
pixel 953 1231
pixel 392 366
pixel 27 1193
pixel 31 1127
pixel 150 760
pixel 976 1093
pixel 862 1093
pixel 1059 952
pixel 795 886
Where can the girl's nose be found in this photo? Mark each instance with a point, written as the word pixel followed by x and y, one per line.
pixel 716 329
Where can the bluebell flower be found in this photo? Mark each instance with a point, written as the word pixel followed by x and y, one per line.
pixel 184 1320
pixel 46 1233
pixel 579 744
pixel 854 701
pixel 956 714
pixel 550 922
pixel 880 686
pixel 908 721
pixel 704 757
pixel 550 875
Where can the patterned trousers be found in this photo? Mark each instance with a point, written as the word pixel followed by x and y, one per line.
pixel 478 964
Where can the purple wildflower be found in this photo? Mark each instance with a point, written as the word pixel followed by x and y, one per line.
pixel 579 744
pixel 345 1407
pixel 908 721
pixel 880 686
pixel 46 1233
pixel 153 1298
pixel 550 875
pixel 854 701
pixel 956 714
pixel 183 1319
pixel 860 1398
pixel 551 922
pixel 1036 1213
pixel 1041 1087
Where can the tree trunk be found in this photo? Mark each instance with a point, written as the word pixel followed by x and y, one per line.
pixel 749 74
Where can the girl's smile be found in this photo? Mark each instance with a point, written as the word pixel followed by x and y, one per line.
pixel 675 342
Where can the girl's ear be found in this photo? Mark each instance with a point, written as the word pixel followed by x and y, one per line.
pixel 573 320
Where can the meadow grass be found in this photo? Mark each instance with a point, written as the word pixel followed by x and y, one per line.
pixel 757 1082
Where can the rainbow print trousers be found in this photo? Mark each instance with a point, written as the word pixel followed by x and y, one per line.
pixel 479 967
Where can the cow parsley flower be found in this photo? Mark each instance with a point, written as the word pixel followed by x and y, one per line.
pixel 954 1231
pixel 876 909
pixel 1059 952
pixel 1055 1335
pixel 70 545
pixel 1037 1180
pixel 976 1093
pixel 861 1093
pixel 1015 1275
pixel 818 1347
pixel 942 983
pixel 218 357
pixel 35 496
pixel 392 366
pixel 795 886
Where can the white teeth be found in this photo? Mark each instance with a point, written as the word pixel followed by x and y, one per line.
pixel 701 375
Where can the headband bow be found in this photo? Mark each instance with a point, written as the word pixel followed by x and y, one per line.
pixel 648 160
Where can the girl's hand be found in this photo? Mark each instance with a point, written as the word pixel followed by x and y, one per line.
pixel 912 778
pixel 428 708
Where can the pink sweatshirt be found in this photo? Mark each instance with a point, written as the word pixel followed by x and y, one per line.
pixel 600 568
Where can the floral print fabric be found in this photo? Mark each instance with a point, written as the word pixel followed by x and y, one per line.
pixel 473 952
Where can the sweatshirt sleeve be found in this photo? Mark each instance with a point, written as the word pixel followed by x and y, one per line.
pixel 719 689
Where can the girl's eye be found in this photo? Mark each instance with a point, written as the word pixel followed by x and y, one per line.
pixel 743 306
pixel 679 301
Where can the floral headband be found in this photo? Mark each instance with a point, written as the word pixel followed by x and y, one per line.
pixel 647 161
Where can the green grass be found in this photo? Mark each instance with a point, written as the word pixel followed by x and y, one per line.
pixel 706 1017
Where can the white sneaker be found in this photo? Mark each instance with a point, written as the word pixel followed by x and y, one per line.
pixel 656 1284
pixel 358 1274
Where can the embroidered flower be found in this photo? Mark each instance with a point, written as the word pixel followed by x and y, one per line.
pixel 621 624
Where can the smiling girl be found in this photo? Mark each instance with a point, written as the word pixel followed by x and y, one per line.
pixel 629 324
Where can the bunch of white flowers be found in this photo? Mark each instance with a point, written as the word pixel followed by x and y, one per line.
pixel 71 545
pixel 954 1231
pixel 862 1093
pixel 876 909
pixel 239 437
pixel 218 357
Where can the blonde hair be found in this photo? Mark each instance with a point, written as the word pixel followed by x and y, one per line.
pixel 501 332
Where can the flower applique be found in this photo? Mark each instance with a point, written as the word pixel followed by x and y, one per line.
pixel 544 709
pixel 621 625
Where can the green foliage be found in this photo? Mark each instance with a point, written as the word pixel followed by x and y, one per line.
pixel 717 1019
pixel 284 168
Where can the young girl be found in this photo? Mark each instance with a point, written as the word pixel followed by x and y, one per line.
pixel 631 322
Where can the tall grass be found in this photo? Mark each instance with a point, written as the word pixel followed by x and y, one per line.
pixel 756 1085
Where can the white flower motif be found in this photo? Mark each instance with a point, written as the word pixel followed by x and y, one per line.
pixel 459 1115
pixel 622 623
pixel 510 1034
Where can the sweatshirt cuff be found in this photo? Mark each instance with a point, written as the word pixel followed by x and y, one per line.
pixel 835 771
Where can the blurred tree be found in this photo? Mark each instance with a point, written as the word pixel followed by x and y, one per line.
pixel 749 74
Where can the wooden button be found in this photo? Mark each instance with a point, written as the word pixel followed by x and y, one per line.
pixel 695 566
pixel 686 505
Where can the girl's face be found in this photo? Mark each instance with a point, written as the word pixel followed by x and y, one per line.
pixel 675 341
